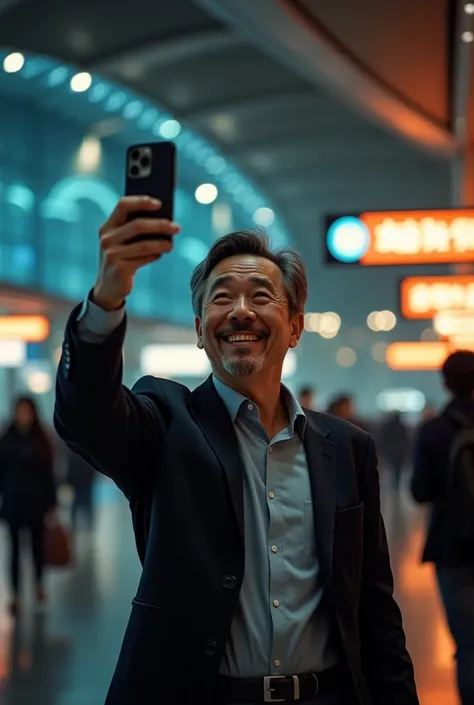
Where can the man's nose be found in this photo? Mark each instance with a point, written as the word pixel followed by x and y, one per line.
pixel 242 311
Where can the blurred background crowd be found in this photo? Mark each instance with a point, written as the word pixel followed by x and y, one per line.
pixel 305 118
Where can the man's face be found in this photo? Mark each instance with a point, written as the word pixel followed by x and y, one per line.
pixel 246 327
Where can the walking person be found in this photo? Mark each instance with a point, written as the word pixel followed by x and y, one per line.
pixel 266 574
pixel 444 478
pixel 27 490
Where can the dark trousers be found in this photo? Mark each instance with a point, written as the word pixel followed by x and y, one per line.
pixel 456 586
pixel 35 531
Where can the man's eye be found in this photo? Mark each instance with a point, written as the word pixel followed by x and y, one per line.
pixel 262 293
pixel 221 295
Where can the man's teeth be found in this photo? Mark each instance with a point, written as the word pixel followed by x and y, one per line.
pixel 242 338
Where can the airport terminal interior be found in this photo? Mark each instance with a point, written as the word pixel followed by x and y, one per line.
pixel 344 130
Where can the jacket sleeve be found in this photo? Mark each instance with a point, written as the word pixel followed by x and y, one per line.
pixel 425 481
pixel 115 430
pixel 386 664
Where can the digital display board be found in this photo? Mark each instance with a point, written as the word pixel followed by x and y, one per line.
pixel 424 297
pixel 391 238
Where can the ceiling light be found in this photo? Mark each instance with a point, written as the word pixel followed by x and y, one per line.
pixel 89 156
pixel 264 217
pixel 170 129
pixel 81 82
pixel 467 37
pixel 312 322
pixel 206 193
pixel 13 62
pixel 469 8
pixel 346 357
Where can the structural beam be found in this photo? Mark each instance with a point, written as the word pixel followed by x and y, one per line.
pixel 279 28
pixel 164 52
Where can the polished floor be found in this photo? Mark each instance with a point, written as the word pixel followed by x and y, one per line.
pixel 66 656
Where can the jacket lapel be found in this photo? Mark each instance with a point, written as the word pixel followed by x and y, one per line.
pixel 214 420
pixel 321 456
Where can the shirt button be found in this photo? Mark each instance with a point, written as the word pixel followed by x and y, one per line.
pixel 276 603
pixel 274 549
pixel 250 407
pixel 270 449
pixel 277 663
pixel 271 495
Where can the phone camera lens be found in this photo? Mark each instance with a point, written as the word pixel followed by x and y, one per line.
pixel 135 155
pixel 145 162
pixel 134 171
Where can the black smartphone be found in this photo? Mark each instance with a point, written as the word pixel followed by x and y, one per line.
pixel 151 171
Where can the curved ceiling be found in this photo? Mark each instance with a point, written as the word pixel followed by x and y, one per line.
pixel 405 45
pixel 272 86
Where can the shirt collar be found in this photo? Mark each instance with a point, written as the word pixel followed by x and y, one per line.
pixel 235 403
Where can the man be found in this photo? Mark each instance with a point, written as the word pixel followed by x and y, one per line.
pixel 307 397
pixel 434 481
pixel 266 575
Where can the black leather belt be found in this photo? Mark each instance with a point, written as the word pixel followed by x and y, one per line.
pixel 271 689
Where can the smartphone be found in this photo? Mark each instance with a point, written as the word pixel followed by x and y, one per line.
pixel 151 171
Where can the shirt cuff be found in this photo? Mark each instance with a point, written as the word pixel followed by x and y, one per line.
pixel 95 324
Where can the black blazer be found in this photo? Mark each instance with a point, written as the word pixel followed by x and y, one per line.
pixel 174 454
pixel 430 484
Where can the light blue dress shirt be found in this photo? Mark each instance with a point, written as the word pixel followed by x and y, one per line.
pixel 281 625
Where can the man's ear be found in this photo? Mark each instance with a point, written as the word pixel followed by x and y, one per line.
pixel 198 326
pixel 297 327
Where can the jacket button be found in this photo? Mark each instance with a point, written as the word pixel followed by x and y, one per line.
pixel 229 582
pixel 210 648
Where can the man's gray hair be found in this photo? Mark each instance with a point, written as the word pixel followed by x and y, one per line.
pixel 257 243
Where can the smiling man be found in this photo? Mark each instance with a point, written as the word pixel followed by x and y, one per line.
pixel 266 575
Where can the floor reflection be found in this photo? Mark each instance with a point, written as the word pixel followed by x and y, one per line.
pixel 429 641
pixel 66 657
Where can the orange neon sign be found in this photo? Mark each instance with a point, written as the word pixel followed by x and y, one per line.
pixel 424 297
pixel 29 329
pixel 421 356
pixel 419 237
pixel 416 356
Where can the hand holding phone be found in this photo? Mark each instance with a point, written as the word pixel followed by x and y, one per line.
pixel 151 171
pixel 133 236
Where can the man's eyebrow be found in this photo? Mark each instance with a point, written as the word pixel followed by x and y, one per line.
pixel 219 281
pixel 263 281
pixel 227 279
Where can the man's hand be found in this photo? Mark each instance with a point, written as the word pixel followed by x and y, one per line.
pixel 120 258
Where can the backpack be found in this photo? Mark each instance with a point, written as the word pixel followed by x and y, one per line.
pixel 461 478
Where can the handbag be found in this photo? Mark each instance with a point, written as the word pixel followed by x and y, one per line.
pixel 58 551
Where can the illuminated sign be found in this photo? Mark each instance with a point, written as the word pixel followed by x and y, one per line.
pixel 416 356
pixel 401 237
pixel 30 329
pixel 454 323
pixel 424 356
pixel 423 297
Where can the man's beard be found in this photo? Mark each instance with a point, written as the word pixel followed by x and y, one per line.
pixel 245 366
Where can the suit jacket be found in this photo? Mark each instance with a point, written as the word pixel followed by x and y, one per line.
pixel 174 454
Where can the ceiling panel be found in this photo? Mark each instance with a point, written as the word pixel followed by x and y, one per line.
pixel 90 29
pixel 405 43
pixel 237 74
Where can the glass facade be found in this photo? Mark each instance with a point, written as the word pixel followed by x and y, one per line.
pixel 50 214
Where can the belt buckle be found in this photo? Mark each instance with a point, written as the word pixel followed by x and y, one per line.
pixel 268 690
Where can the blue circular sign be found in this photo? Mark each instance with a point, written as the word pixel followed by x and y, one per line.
pixel 348 239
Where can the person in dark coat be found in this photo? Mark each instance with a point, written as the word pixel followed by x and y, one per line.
pixel 394 443
pixel 27 489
